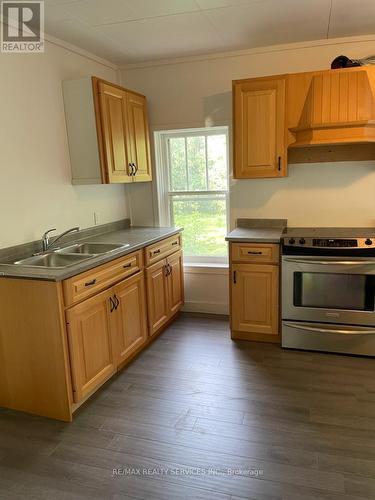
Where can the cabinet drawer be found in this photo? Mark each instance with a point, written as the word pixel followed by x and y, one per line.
pixel 162 249
pixel 265 253
pixel 86 284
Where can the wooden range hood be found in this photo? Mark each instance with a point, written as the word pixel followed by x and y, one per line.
pixel 332 108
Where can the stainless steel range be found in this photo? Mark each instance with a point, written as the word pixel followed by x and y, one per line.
pixel 328 290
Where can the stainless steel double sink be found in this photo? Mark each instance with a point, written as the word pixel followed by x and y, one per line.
pixel 70 255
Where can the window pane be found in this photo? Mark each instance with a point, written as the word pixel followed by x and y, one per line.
pixel 196 153
pixel 217 162
pixel 177 153
pixel 204 220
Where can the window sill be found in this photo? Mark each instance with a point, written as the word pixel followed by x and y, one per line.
pixel 206 268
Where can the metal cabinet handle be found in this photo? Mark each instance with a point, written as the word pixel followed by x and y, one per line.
pixel 155 252
pixel 331 262
pixel 168 269
pixel 90 283
pixel 135 168
pixel 279 163
pixel 254 253
pixel 117 302
pixel 127 265
pixel 342 331
pixel 175 243
pixel 234 277
pixel 112 304
pixel 130 171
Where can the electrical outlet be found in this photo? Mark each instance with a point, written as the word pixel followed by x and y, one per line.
pixel 96 218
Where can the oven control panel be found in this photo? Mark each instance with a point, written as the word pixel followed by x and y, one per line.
pixel 326 242
pixel 339 243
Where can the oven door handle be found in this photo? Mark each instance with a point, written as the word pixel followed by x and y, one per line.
pixel 340 331
pixel 334 262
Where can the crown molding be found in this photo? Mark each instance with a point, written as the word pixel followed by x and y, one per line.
pixel 69 46
pixel 248 52
pixel 78 50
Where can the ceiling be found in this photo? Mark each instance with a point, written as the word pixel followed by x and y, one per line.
pixel 127 31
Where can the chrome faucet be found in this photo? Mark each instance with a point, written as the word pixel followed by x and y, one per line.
pixel 47 244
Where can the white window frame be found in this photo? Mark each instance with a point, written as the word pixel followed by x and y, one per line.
pixel 162 179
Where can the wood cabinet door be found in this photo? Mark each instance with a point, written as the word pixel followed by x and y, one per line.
pixel 91 344
pixel 130 316
pixel 139 141
pixel 255 297
pixel 115 132
pixel 157 296
pixel 259 128
pixel 175 282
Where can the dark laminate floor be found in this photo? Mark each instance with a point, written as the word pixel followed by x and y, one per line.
pixel 306 421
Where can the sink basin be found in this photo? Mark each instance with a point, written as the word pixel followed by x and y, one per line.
pixel 91 248
pixel 52 260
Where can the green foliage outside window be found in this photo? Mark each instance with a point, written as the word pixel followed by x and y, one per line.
pixel 199 164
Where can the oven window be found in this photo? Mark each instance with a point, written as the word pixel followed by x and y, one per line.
pixel 334 291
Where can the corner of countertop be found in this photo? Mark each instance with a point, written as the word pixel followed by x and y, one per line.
pixel 257 230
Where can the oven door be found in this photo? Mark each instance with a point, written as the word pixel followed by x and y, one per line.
pixel 328 289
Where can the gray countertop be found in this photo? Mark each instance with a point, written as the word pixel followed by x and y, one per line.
pixel 136 237
pixel 255 235
pixel 258 230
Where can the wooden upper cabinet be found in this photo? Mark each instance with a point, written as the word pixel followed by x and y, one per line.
pixel 130 318
pixel 115 132
pixel 259 128
pixel 139 142
pixel 91 344
pixel 107 131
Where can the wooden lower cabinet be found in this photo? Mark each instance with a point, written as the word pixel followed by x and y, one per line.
pixel 91 344
pixel 255 296
pixel 130 317
pixel 165 290
pixel 175 282
pixel 157 296
pixel 61 341
pixel 104 332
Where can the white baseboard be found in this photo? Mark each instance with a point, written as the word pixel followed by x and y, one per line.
pixel 206 307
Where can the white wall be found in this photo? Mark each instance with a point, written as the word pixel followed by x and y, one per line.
pixel 206 290
pixel 35 189
pixel 196 92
